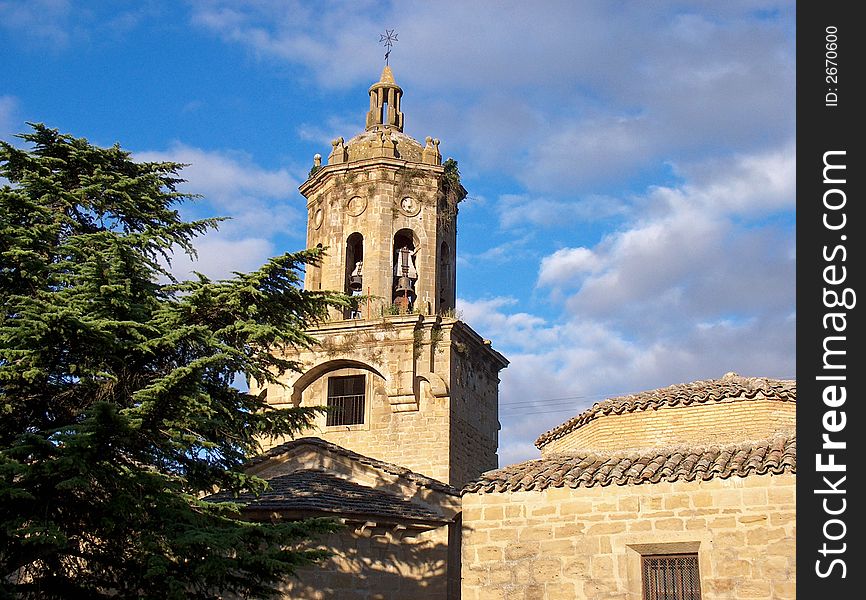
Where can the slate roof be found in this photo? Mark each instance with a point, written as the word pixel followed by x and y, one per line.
pixel 730 388
pixel 412 476
pixel 587 469
pixel 313 491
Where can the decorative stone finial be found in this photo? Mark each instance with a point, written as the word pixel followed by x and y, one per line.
pixel 338 153
pixel 317 160
pixel 431 154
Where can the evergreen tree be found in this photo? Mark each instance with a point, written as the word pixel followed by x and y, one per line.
pixel 117 409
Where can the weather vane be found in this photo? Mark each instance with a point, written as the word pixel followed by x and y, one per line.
pixel 388 38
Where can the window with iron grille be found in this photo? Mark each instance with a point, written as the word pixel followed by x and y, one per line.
pixel 671 577
pixel 346 400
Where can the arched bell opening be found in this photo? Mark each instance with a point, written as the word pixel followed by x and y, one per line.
pixel 405 270
pixel 354 274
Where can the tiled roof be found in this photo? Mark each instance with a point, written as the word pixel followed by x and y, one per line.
pixel 731 388
pixel 585 469
pixel 317 492
pixel 416 478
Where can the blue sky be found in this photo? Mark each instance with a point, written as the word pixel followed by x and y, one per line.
pixel 630 165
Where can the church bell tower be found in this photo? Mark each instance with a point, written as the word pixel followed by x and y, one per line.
pixel 386 209
pixel 405 381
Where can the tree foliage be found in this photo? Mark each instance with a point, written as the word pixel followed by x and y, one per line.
pixel 117 409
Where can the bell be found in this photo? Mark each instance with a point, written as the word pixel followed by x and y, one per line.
pixel 355 283
pixel 404 284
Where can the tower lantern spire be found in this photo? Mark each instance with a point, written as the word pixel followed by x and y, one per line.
pixel 385 98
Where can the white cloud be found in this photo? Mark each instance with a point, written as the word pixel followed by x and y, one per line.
pixel 298 32
pixel 747 185
pixel 566 264
pixel 509 251
pixel 579 153
pixel 647 263
pixel 687 252
pixel 258 200
pixel 518 211
pixel 224 173
pixel 614 101
pixel 332 129
pixel 261 204
pixel 219 258
pixel 42 21
pixel 557 370
pixel 693 284
pixel 486 315
pixel 59 25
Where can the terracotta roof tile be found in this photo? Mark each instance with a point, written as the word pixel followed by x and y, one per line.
pixel 776 455
pixel 319 492
pixel 731 387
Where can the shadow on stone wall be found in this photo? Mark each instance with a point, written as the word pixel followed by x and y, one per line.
pixel 387 549
pixel 377 563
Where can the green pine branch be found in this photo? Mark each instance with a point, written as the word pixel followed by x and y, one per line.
pixel 117 409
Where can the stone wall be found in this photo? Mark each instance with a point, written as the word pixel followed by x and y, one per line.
pixel 431 398
pixel 414 438
pixel 474 406
pixel 586 543
pixel 709 423
pixel 377 564
pixel 471 451
pixel 401 426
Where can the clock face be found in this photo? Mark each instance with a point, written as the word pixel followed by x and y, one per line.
pixel 355 206
pixel 409 206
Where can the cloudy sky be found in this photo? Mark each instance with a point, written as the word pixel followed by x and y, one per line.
pixel 630 165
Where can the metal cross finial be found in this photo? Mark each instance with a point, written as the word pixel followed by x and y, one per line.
pixel 387 39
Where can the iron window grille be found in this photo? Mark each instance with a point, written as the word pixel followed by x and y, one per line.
pixel 346 400
pixel 671 577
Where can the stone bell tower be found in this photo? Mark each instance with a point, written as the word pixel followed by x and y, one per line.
pixel 404 380
pixel 386 210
